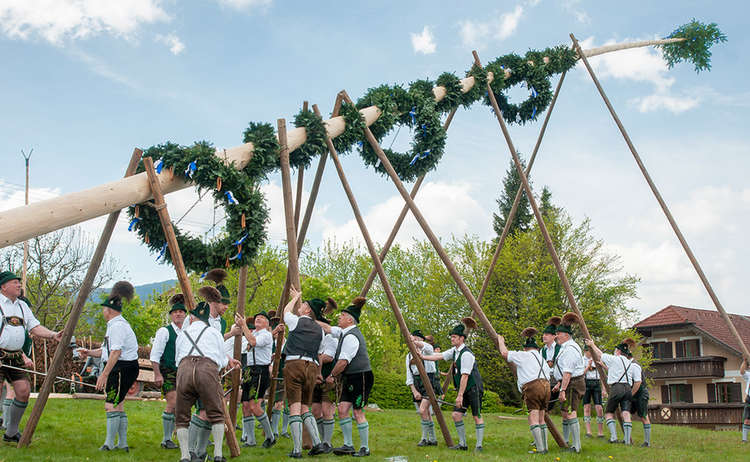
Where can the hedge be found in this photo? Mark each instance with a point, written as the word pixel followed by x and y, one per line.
pixel 390 392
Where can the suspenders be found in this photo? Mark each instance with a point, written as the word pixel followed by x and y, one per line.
pixel 5 319
pixel 195 343
pixel 541 366
pixel 624 374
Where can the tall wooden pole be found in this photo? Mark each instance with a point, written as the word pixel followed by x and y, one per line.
pixel 662 203
pixel 517 200
pixel 174 251
pixel 291 237
pixel 389 291
pixel 443 255
pixel 75 313
pixel 399 220
pixel 237 373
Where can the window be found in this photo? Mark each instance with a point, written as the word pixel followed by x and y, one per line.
pixel 688 348
pixel 724 392
pixel 661 350
pixel 677 393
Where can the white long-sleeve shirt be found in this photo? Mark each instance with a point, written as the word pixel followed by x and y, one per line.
pixel 211 344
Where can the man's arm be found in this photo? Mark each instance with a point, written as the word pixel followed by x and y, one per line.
pixel 41 331
pixel 564 386
pixel 636 386
pixel 502 347
pixel 461 390
pixel 294 296
pixel 339 367
pixel 114 356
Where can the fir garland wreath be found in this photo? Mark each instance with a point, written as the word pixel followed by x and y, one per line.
pixel 414 107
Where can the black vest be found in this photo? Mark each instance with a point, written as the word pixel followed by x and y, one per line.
pixel 361 361
pixel 305 339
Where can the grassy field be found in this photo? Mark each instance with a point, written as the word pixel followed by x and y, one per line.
pixel 73 430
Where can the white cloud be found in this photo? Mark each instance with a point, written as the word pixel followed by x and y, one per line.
pixel 246 4
pixel 423 43
pixel 173 42
pixel 58 20
pixel 102 69
pixel 450 209
pixel 644 64
pixel 574 8
pixel 13 195
pixel 477 33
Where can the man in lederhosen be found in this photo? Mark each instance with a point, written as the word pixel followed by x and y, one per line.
pixel 301 369
pixel 533 383
pixel 467 381
pixel 593 395
pixel 550 349
pixel 352 370
pixel 256 377
pixel 16 321
pixel 639 403
pixel 569 371
pixel 620 387
pixel 119 353
pixel 200 356
pixel 164 365
pixel 419 394
pixel 323 407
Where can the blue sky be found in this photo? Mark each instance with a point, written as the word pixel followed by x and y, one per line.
pixel 84 82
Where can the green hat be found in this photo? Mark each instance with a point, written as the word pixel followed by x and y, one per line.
pixel 121 290
pixel 623 347
pixel 566 325
pixel 530 343
pixel 201 311
pixel 458 329
pixel 552 324
pixel 418 333
pixel 6 276
pixel 355 309
pixel 317 306
pixel 262 313
pixel 565 328
pixel 177 302
pixel 529 333
pixel 224 294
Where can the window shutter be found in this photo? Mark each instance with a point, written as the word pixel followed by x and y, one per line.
pixel 680 346
pixel 711 391
pixel 735 393
pixel 665 394
pixel 688 392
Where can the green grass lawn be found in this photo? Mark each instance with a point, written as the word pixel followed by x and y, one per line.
pixel 73 430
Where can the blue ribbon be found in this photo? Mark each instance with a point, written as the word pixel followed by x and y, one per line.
pixel 419 156
pixel 239 255
pixel 132 223
pixel 534 94
pixel 191 168
pixel 161 254
pixel 413 114
pixel 360 144
pixel 204 275
pixel 159 165
pixel 533 113
pixel 424 130
pixel 240 240
pixel 230 197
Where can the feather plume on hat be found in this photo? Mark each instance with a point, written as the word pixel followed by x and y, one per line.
pixel 122 290
pixel 554 321
pixel 359 302
pixel 570 318
pixel 529 332
pixel 331 306
pixel 210 294
pixel 177 298
pixel 216 275
pixel 629 342
pixel 469 323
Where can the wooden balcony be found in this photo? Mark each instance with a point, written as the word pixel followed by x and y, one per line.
pixel 703 366
pixel 714 416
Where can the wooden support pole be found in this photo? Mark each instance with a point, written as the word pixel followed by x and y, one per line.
pixel 237 373
pixel 291 237
pixel 389 291
pixel 441 252
pixel 182 277
pixel 298 196
pixel 400 220
pixel 663 204
pixel 75 314
pixel 517 200
pixel 540 220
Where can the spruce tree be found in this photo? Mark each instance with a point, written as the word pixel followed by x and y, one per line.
pixel 523 217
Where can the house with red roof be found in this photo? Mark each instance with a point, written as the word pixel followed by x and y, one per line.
pixel 695 373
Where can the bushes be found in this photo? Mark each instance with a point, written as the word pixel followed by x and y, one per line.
pixel 390 392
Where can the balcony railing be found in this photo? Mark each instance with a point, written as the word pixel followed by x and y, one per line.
pixel 721 416
pixel 703 366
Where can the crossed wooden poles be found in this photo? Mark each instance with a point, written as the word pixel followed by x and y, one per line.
pixel 296 239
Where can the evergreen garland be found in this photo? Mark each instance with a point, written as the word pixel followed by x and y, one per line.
pixel 414 107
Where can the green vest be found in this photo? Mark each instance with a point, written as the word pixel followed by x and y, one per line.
pixel 28 344
pixel 223 325
pixel 554 356
pixel 168 357
pixel 474 378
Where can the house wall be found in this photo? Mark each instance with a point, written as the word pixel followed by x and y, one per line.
pixel 707 348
